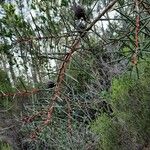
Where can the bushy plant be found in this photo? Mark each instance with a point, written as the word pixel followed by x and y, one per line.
pixel 5 146
pixel 129 128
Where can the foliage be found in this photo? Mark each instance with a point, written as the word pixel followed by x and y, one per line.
pixel 129 128
pixel 5 146
pixel 37 36
pixel 108 131
pixel 5 85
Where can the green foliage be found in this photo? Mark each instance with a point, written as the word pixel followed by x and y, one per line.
pixel 105 126
pixel 130 126
pixel 5 146
pixel 5 85
pixel 119 91
pixel 22 84
pixel 77 75
pixel 64 3
pixel 5 47
pixel 33 38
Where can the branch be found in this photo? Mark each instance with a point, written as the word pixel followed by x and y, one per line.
pixel 63 69
pixel 110 5
pixel 67 60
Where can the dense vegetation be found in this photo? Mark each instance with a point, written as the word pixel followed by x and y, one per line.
pixel 129 126
pixel 100 67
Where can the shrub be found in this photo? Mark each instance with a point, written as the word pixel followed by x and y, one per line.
pixel 130 126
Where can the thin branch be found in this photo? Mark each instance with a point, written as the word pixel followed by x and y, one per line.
pixel 67 60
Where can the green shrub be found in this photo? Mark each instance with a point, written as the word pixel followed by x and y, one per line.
pixel 108 132
pixel 5 146
pixel 130 126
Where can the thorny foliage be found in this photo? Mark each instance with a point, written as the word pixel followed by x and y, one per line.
pixel 45 44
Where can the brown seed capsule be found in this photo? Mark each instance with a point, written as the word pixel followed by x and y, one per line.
pixel 50 84
pixel 79 11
